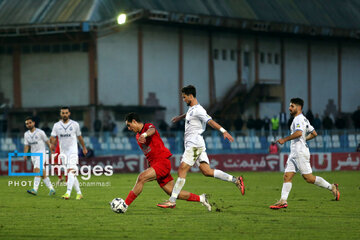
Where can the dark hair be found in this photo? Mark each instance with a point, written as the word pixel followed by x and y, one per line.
pixel 132 116
pixel 297 101
pixel 190 89
pixel 64 108
pixel 29 118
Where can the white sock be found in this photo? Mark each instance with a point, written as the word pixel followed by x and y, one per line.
pixel 70 182
pixel 177 189
pixel 224 176
pixel 77 186
pixel 285 190
pixel 48 183
pixel 319 181
pixel 36 183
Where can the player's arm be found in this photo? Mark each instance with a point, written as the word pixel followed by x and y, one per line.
pixel 148 133
pixel 49 146
pixel 26 149
pixel 218 127
pixel 311 135
pixel 295 135
pixel 178 118
pixel 81 141
pixel 52 143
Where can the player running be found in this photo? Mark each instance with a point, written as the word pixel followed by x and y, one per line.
pixel 299 158
pixel 196 119
pixel 68 132
pixel 158 156
pixel 35 139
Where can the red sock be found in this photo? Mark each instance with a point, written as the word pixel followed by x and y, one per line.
pixel 194 198
pixel 130 198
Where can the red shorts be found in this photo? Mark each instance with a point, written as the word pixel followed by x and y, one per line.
pixel 162 169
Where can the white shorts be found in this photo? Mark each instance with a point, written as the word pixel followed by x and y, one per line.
pixel 71 161
pixel 298 162
pixel 194 155
pixel 36 162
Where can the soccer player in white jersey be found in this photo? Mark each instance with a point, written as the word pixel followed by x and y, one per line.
pixel 196 119
pixel 35 139
pixel 68 132
pixel 299 158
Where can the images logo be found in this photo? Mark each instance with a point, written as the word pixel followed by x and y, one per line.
pixel 70 161
pixel 16 154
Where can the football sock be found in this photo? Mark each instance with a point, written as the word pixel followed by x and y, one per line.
pixel 193 198
pixel 70 182
pixel 130 198
pixel 224 176
pixel 48 183
pixel 285 190
pixel 177 189
pixel 319 181
pixel 77 186
pixel 36 183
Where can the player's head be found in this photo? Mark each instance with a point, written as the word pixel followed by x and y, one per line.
pixel 133 122
pixel 29 123
pixel 65 113
pixel 188 94
pixel 296 105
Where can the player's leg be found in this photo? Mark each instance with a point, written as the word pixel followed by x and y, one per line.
pixel 290 170
pixel 37 180
pixel 48 184
pixel 180 181
pixel 216 173
pixel 321 182
pixel 188 196
pixel 286 188
pixel 189 158
pixel 146 176
pixel 303 162
pixel 70 182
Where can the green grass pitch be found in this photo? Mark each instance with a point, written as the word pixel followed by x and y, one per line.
pixel 312 214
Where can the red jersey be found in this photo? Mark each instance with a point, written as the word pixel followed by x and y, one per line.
pixel 154 148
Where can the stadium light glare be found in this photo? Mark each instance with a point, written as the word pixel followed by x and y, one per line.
pixel 121 18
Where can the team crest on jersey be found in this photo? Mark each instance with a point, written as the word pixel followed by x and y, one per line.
pixel 70 128
pixel 36 137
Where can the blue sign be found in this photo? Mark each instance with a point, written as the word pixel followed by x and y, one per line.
pixel 16 154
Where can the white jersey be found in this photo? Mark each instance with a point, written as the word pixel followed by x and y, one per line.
pixel 67 135
pixel 195 124
pixel 36 140
pixel 300 123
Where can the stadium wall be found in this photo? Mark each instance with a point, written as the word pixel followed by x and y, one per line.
pixel 269 70
pixel 161 66
pixel 350 77
pixel 324 76
pixel 118 67
pixel 6 77
pixel 225 67
pixel 196 63
pixel 296 71
pixel 225 162
pixel 49 80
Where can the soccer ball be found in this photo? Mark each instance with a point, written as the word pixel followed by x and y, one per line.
pixel 118 205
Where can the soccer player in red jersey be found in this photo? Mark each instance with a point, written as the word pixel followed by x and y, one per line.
pixel 158 156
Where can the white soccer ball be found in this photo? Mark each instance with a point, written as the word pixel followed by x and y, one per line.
pixel 118 205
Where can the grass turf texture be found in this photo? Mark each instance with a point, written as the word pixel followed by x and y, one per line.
pixel 312 214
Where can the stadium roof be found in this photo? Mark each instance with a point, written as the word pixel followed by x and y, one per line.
pixel 319 17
